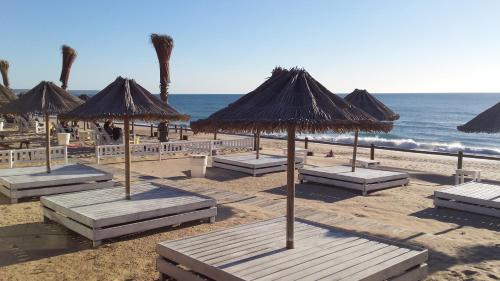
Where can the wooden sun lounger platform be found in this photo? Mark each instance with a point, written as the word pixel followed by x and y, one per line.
pixel 474 197
pixel 105 213
pixel 256 252
pixel 247 163
pixel 35 181
pixel 362 179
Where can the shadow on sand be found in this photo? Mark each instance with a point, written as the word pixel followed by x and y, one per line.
pixel 313 191
pixel 33 241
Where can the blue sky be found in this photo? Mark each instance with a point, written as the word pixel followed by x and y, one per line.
pixel 231 46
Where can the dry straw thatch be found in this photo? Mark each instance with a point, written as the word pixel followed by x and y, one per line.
pixel 487 121
pixel 4 69
pixel 124 98
pixel 6 95
pixel 371 105
pixel 69 56
pixel 45 98
pixel 163 45
pixel 290 97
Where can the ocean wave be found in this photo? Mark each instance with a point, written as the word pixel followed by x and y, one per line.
pixel 451 147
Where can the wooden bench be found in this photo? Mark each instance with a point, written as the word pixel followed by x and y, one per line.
pixel 460 175
pixel 247 163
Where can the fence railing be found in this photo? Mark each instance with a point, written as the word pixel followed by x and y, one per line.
pixel 165 148
pixel 32 155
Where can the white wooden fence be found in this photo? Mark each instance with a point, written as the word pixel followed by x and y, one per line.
pixel 165 148
pixel 32 155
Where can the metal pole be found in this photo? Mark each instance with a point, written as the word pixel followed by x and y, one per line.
pixel 354 151
pixel 257 144
pixel 127 158
pixel 460 160
pixel 47 142
pixel 290 184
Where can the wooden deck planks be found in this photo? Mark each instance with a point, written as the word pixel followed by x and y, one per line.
pixel 60 175
pixel 245 253
pixel 105 207
pixel 102 214
pixel 474 197
pixel 247 163
pixel 362 179
pixel 35 181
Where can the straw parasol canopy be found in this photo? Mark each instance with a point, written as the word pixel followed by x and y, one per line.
pixel 290 100
pixel 371 105
pixel 163 45
pixel 45 99
pixel 290 97
pixel 69 55
pixel 486 122
pixel 125 100
pixel 6 95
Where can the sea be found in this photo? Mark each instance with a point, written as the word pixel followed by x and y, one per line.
pixel 427 121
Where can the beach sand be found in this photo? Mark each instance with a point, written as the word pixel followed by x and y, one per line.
pixel 462 246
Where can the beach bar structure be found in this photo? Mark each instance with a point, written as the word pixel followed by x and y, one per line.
pixel 109 213
pixel 291 101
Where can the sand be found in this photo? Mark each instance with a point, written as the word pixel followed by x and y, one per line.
pixel 462 246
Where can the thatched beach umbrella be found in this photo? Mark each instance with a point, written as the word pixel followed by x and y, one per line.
pixel 45 99
pixel 69 56
pixel 487 121
pixel 125 100
pixel 371 105
pixel 291 101
pixel 6 95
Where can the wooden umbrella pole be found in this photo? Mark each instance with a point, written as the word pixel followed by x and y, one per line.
pixel 257 155
pixel 354 151
pixel 47 142
pixel 290 184
pixel 127 157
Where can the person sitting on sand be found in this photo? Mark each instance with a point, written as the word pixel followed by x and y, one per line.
pixel 329 154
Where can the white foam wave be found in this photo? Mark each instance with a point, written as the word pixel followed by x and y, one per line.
pixel 451 147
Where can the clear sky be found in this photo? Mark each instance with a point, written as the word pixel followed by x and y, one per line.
pixel 230 46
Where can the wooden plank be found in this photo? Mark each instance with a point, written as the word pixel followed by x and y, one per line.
pixel 61 175
pixel 361 175
pixel 135 227
pixel 175 272
pixel 391 268
pixel 41 191
pixel 69 223
pixel 482 210
pixel 416 274
pixel 320 251
pixel 221 236
pixel 100 208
